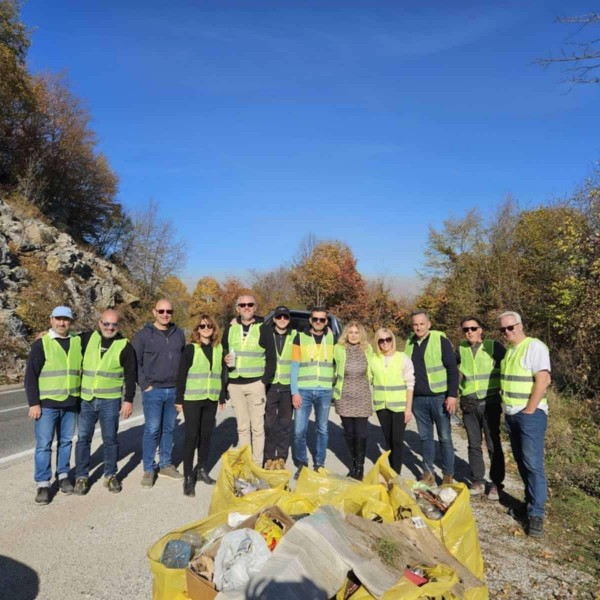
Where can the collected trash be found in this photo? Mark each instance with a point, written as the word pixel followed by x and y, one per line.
pixel 241 487
pixel 434 503
pixel 176 554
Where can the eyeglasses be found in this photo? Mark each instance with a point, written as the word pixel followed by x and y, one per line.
pixel 162 311
pixel 109 324
pixel 284 317
pixel 465 329
pixel 387 340
pixel 318 319
pixel 508 328
pixel 246 305
pixel 205 326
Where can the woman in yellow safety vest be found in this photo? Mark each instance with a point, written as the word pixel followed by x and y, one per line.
pixel 393 384
pixel 199 392
pixel 351 392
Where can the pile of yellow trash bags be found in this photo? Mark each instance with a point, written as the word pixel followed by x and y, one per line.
pixel 345 537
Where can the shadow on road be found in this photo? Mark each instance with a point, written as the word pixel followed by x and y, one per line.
pixel 17 580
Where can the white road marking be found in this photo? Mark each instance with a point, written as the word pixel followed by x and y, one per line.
pixel 123 425
pixel 14 408
pixel 12 391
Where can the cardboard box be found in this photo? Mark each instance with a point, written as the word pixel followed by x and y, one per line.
pixel 199 588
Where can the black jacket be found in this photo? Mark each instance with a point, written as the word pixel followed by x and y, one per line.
pixel 158 354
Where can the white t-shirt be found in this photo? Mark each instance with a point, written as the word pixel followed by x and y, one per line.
pixel 535 359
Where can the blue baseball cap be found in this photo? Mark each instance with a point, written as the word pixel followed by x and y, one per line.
pixel 62 311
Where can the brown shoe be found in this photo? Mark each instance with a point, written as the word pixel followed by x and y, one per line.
pixel 269 464
pixel 280 464
pixel 448 479
pixel 427 478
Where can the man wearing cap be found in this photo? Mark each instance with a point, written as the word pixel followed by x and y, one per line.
pixel 278 412
pixel 158 348
pixel 52 382
pixel 251 367
pixel 108 365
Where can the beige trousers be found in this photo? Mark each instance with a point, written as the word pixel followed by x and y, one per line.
pixel 249 400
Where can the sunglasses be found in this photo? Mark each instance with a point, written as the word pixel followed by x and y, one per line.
pixel 387 340
pixel 205 326
pixel 318 319
pixel 285 317
pixel 162 311
pixel 246 305
pixel 465 329
pixel 508 328
pixel 109 324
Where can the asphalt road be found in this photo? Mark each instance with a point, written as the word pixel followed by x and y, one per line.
pixel 16 429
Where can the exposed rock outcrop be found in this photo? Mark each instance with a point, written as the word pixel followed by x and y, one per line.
pixel 90 283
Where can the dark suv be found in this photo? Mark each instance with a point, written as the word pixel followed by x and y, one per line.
pixel 299 321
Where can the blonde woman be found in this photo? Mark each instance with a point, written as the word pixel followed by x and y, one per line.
pixel 393 377
pixel 199 391
pixel 352 393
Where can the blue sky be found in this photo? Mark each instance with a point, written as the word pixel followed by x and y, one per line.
pixel 256 123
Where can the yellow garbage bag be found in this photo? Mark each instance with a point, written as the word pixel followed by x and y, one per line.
pixel 457 529
pixel 238 463
pixel 353 497
pixel 168 583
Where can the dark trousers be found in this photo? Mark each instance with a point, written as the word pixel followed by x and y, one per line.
pixel 199 424
pixel 278 422
pixel 483 417
pixel 393 427
pixel 355 427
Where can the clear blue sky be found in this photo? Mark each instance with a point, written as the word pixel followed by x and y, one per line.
pixel 255 123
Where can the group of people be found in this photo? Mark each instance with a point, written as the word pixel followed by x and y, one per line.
pixel 275 377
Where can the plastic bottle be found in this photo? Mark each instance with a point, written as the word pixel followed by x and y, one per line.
pixel 232 355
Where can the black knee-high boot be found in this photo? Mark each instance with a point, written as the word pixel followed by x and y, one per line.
pixel 350 442
pixel 360 447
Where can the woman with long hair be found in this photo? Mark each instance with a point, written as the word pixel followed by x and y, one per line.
pixel 393 377
pixel 199 392
pixel 351 392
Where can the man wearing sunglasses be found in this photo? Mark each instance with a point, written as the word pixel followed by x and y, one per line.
pixel 312 386
pixel 108 365
pixel 158 348
pixel 479 365
pixel 524 379
pixel 251 367
pixel 436 389
pixel 279 410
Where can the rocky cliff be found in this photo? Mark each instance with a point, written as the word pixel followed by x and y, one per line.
pixel 41 267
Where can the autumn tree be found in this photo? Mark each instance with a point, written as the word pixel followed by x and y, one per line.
pixel 272 288
pixel 206 298
pixel 385 310
pixel 326 275
pixel 175 290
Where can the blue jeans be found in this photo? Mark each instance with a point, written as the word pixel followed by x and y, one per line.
pixel 61 420
pixel 321 400
pixel 159 425
pixel 527 433
pixel 107 412
pixel 430 410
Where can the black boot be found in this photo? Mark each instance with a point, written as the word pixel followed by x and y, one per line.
pixel 350 442
pixel 189 486
pixel 203 475
pixel 360 446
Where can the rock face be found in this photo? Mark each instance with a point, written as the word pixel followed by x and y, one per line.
pixel 92 283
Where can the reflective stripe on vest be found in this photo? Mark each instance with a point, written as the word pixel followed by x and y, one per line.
pixel 204 383
pixel 389 387
pixel 102 375
pixel 516 382
pixel 437 376
pixel 249 356
pixel 284 361
pixel 339 357
pixel 61 374
pixel 480 376
pixel 316 362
